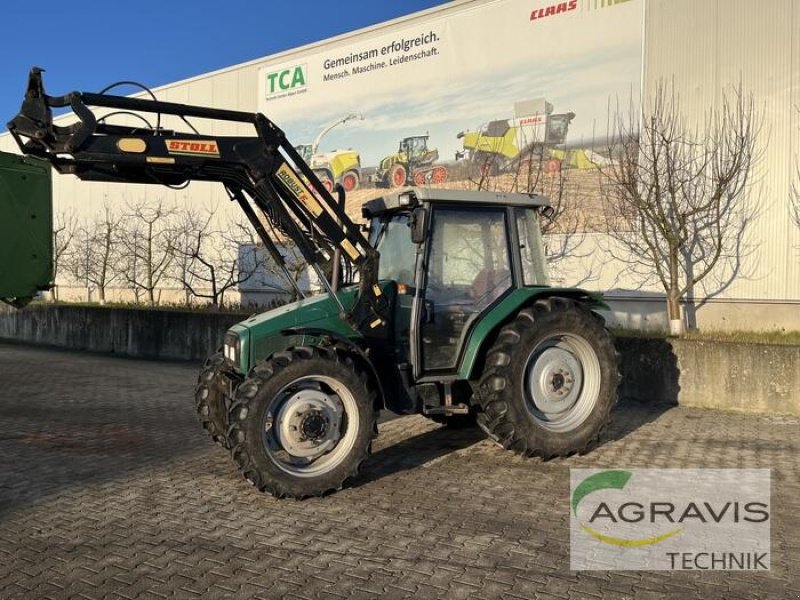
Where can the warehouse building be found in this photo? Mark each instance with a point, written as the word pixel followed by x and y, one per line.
pixel 433 77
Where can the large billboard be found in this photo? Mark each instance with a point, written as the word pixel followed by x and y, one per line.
pixel 492 80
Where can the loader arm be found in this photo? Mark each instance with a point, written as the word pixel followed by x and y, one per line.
pixel 262 170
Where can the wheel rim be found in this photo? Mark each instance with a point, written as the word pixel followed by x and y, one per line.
pixel 562 382
pixel 439 175
pixel 310 426
pixel 419 178
pixel 327 184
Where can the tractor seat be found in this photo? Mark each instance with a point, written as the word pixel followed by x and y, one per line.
pixel 488 285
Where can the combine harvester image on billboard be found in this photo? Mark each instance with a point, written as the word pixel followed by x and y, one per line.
pixel 505 145
pixel 535 137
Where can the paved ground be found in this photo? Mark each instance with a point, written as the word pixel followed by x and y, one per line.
pixel 108 489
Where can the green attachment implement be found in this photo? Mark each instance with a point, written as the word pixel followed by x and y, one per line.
pixel 26 228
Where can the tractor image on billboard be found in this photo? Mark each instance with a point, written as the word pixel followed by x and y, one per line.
pixel 506 145
pixel 412 164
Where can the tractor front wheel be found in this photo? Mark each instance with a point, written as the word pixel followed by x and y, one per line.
pixel 397 176
pixel 550 380
pixel 210 401
pixel 302 422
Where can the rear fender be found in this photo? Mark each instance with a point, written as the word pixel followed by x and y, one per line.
pixel 485 331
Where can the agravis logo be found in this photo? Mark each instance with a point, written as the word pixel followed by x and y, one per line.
pixel 670 519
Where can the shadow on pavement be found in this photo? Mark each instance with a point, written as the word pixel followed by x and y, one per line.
pixel 415 451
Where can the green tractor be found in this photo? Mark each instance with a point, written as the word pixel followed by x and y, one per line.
pixel 412 164
pixel 444 309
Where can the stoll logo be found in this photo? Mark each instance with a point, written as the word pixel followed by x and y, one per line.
pixel 716 519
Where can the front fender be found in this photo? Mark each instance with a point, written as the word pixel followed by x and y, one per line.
pixel 315 335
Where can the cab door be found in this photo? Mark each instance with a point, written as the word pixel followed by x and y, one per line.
pixel 466 268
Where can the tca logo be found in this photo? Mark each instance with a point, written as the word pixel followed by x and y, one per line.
pixel 286 79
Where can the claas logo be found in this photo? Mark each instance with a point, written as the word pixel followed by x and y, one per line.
pixel 193 147
pixel 286 79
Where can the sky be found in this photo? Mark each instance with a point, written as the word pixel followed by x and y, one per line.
pixel 87 45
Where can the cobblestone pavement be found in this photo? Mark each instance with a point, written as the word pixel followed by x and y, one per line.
pixel 109 489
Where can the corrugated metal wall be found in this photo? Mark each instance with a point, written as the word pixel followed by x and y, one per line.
pixel 706 46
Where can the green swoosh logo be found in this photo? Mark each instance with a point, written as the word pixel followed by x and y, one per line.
pixel 615 480
pixel 599 481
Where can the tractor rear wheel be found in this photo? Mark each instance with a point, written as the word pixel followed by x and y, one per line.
pixel 550 380
pixel 439 175
pixel 210 401
pixel 302 422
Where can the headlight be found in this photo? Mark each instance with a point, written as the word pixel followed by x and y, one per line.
pixel 232 347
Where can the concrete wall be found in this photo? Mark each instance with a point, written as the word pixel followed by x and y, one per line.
pixel 757 378
pixel 157 334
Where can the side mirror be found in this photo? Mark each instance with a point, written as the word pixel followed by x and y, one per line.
pixel 548 212
pixel 418 224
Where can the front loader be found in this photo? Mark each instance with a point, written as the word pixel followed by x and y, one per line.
pixel 444 309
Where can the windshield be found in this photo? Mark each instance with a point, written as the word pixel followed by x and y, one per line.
pixel 398 253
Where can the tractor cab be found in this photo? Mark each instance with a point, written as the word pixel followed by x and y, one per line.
pixel 414 147
pixel 454 255
pixel 416 152
pixel 557 128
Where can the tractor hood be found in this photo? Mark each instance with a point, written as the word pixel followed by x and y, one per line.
pixel 263 334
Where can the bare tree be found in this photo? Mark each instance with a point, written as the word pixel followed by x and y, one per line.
pixel 146 241
pixel 674 197
pixel 94 261
pixel 211 261
pixel 64 229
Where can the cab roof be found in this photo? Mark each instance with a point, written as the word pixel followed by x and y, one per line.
pixel 417 195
